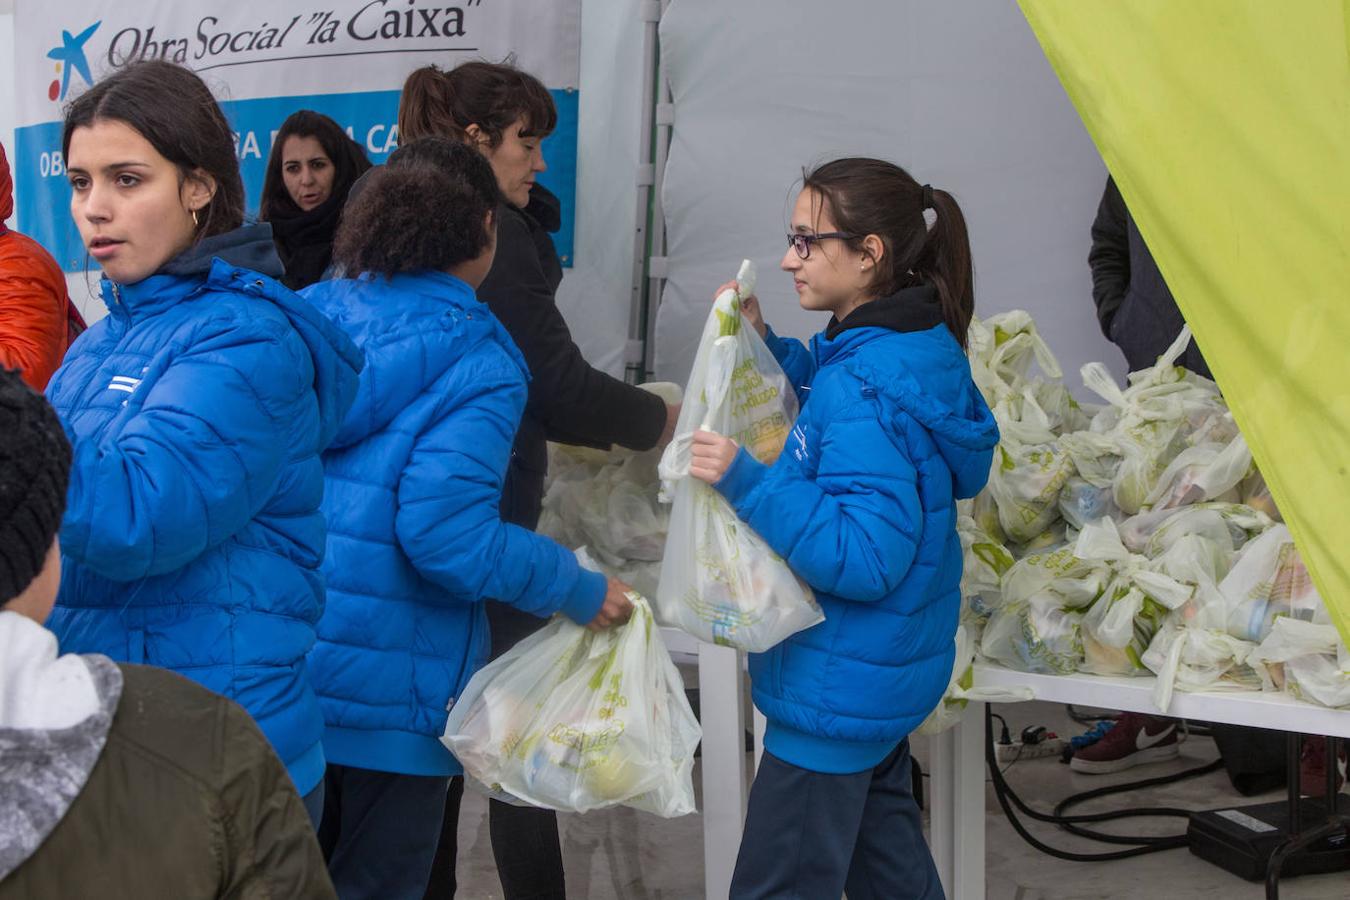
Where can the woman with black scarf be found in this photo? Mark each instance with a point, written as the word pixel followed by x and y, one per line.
pixel 312 166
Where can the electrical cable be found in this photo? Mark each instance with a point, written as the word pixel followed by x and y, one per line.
pixel 1138 846
pixel 1013 761
pixel 1087 718
pixel 1005 736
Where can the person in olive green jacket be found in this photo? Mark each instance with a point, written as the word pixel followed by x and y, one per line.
pixel 119 781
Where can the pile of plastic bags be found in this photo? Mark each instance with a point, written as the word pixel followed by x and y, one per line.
pixel 607 502
pixel 1133 538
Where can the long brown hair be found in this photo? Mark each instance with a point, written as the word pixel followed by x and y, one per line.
pixel 349 161
pixel 172 108
pixel 872 196
pixel 438 103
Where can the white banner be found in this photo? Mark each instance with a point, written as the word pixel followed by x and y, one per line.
pixel 265 60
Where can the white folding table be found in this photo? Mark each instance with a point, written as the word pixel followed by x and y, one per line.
pixel 957 791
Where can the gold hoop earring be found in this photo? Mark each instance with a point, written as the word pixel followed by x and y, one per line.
pixel 195 223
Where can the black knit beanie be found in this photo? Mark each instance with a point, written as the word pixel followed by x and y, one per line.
pixel 34 472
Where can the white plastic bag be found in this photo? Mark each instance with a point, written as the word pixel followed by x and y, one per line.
pixel 1038 626
pixel 1096 457
pixel 986 562
pixel 1075 582
pixel 607 501
pixel 960 689
pixel 1036 635
pixel 1002 350
pixel 1135 603
pixel 720 581
pixel 1256 493
pixel 1025 481
pixel 1229 524
pixel 1197 659
pixel 1207 471
pixel 575 720
pixel 1268 580
pixel 1164 409
pixel 1081 502
pixel 1307 659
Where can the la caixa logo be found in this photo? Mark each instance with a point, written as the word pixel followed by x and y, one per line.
pixel 70 57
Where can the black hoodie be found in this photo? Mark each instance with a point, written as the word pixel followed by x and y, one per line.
pixel 570 401
pixel 915 308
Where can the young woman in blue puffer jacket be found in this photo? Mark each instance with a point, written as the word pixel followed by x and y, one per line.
pixel 414 486
pixel 862 505
pixel 197 410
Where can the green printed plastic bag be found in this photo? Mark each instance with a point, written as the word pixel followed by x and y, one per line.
pixel 986 562
pixel 576 720
pixel 1121 623
pixel 719 581
pixel 1036 635
pixel 961 690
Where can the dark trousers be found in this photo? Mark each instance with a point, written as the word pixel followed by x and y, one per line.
pixel 443 883
pixel 314 805
pixel 812 836
pixel 525 841
pixel 379 831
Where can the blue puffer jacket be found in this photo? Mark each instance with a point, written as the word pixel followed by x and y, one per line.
pixel 192 539
pixel 416 542
pixel 862 505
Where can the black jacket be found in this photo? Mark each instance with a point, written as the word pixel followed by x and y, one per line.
pixel 1134 305
pixel 570 401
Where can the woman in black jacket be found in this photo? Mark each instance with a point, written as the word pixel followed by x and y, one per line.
pixel 506 114
pixel 312 167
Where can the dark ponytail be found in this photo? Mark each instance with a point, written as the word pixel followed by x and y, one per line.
pixel 872 196
pixel 493 96
pixel 424 107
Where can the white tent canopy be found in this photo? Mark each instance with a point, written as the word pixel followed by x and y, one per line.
pixel 959 94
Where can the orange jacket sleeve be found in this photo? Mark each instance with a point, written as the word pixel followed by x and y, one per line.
pixel 33 310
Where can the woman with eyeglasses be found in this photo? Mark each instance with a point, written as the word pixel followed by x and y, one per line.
pixel 862 505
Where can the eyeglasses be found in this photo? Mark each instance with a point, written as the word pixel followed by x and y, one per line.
pixel 802 242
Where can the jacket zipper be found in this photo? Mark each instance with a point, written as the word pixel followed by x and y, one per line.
pixel 460 680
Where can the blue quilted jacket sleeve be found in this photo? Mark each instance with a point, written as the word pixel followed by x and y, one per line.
pixel 796 360
pixel 196 461
pixel 852 532
pixel 449 522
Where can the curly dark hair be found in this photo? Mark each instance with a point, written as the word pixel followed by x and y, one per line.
pixel 426 209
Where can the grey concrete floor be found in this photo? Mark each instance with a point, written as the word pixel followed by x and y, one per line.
pixel 626 855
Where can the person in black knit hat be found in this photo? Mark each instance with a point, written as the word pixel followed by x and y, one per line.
pixel 99 761
pixel 34 469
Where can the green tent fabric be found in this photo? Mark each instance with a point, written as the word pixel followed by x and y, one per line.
pixel 1226 124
